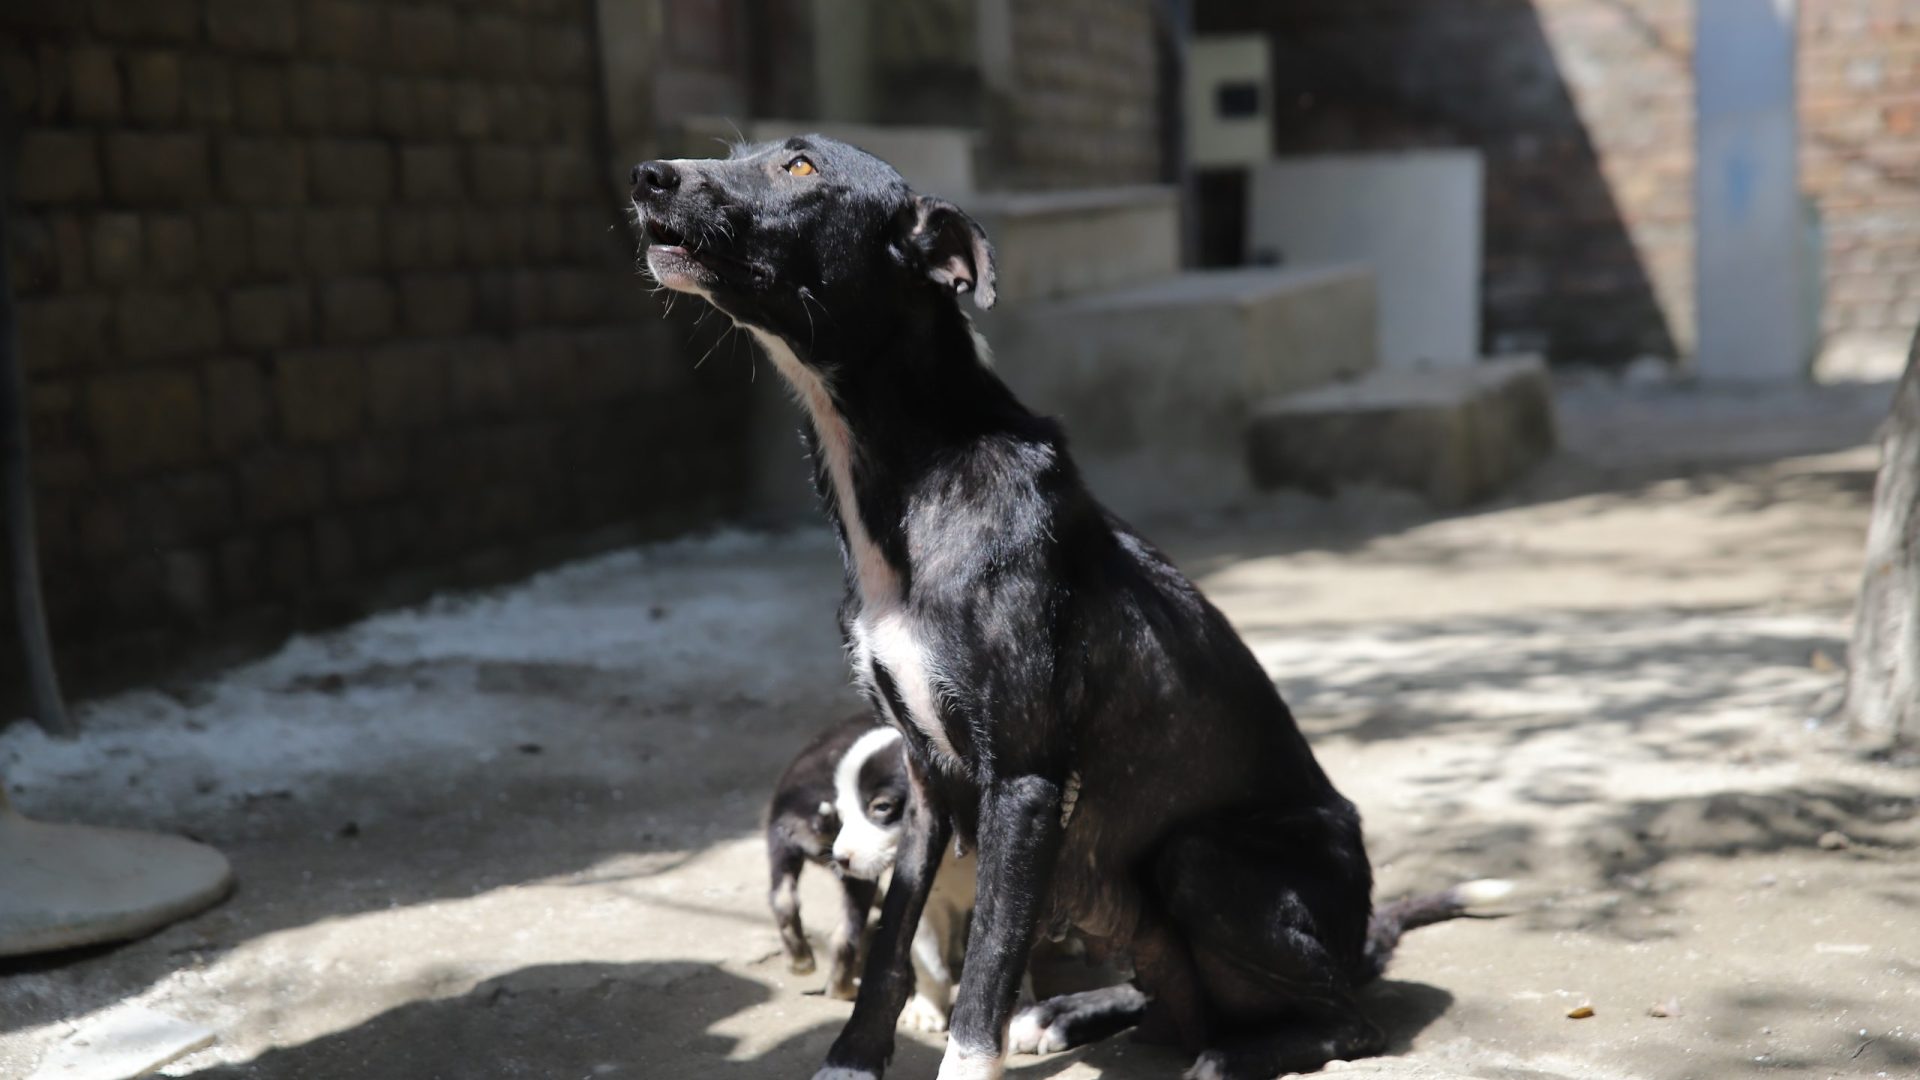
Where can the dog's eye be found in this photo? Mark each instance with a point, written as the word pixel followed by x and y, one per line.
pixel 880 807
pixel 800 166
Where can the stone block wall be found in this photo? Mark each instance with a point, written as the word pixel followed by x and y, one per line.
pixel 1082 109
pixel 327 303
pixel 1584 112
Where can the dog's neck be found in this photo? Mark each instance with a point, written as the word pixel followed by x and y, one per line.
pixel 882 409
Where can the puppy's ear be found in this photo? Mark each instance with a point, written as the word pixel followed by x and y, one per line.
pixel 954 247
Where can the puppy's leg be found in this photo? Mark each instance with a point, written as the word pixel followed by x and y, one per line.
pixel 784 899
pixel 1019 839
pixel 932 975
pixel 850 937
pixel 866 1043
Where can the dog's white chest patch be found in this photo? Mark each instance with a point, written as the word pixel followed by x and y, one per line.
pixel 890 640
pixel 883 632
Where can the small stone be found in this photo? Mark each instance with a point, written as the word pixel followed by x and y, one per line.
pixel 1834 840
pixel 1579 1012
pixel 1665 1009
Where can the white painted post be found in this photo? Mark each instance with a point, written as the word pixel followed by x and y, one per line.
pixel 1753 315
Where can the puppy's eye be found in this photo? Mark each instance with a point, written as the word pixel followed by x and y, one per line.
pixel 880 807
pixel 800 166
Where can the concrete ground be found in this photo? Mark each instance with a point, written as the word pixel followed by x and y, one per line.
pixel 515 833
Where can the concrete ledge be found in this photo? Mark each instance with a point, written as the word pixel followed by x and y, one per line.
pixel 1049 245
pixel 1455 435
pixel 1155 382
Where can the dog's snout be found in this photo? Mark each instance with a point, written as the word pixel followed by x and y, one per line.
pixel 842 860
pixel 654 178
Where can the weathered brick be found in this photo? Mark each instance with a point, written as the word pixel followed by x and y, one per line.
pixel 94 87
pixel 356 309
pixel 260 92
pixel 561 50
pixel 209 90
pixel 341 241
pixel 281 485
pixel 423 39
pixel 398 113
pixel 255 26
pixel 472 109
pixel 352 171
pixel 501 173
pixel 494 45
pixel 407 385
pixel 350 101
pixel 263 172
pixel 266 317
pixel 277 241
pixel 145 421
pixel 151 169
pixel 224 251
pixel 431 172
pixel 308 87
pixel 57 166
pixel 154 87
pixel 47 253
pixel 347 30
pixel 237 409
pixel 433 103
pixel 63 331
pixel 238 570
pixel 321 394
pixel 437 304
pixel 369 469
pixel 173 247
pixel 144 20
pixel 152 325
pixel 186 583
pixel 567 172
pixel 116 247
pixel 333 555
pixel 289 564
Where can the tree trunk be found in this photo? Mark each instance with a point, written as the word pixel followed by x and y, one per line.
pixel 1883 686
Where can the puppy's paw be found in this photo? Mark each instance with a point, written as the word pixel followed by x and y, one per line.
pixel 921 1014
pixel 843 987
pixel 1206 1067
pixel 801 965
pixel 1032 1032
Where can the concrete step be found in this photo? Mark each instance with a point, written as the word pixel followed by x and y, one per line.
pixel 1055 244
pixel 1455 435
pixel 939 160
pixel 1156 382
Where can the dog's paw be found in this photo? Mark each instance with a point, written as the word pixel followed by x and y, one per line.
pixel 843 988
pixel 801 965
pixel 922 1014
pixel 963 1064
pixel 1206 1067
pixel 1032 1032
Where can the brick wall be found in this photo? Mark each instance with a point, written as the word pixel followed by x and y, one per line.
pixel 1584 111
pixel 1083 107
pixel 1860 157
pixel 327 303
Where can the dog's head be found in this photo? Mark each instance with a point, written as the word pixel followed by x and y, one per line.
pixel 780 235
pixel 870 796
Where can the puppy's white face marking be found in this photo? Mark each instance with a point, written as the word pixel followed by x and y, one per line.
pixel 868 849
pixel 883 631
pixel 962 1063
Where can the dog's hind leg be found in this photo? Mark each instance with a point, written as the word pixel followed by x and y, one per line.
pixel 784 898
pixel 850 937
pixel 1070 1020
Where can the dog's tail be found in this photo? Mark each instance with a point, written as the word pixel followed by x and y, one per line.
pixel 1472 899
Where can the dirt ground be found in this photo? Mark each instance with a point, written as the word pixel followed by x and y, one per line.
pixel 516 833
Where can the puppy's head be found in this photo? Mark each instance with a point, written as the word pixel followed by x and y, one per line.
pixel 870 796
pixel 782 235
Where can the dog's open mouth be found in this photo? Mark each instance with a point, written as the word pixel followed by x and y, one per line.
pixel 674 262
pixel 660 236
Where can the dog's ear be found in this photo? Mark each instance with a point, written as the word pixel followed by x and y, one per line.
pixel 954 246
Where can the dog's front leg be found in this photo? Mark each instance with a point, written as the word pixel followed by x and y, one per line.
pixel 866 1044
pixel 1019 838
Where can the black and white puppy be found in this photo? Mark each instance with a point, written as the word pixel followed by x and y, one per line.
pixel 842 804
pixel 1071 704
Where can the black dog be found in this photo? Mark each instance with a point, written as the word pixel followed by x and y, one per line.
pixel 1071 704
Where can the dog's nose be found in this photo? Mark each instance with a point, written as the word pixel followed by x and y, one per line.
pixel 844 862
pixel 654 178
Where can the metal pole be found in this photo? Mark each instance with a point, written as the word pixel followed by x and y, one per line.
pixel 30 615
